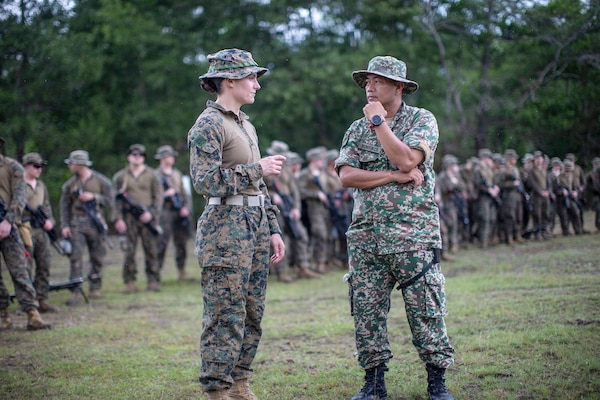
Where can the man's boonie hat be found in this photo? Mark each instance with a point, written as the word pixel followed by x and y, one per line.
pixel 570 156
pixel 34 158
pixel 278 147
pixel 388 67
pixel 537 154
pixel 527 157
pixel 497 158
pixel 140 148
pixel 316 153
pixel 165 151
pixel 79 157
pixel 230 64
pixel 510 153
pixel 484 153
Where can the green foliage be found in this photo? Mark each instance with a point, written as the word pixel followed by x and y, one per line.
pixel 104 74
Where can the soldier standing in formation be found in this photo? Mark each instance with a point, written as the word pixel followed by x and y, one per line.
pixel 568 199
pixel 285 194
pixel 540 197
pixel 82 198
pixel 139 184
pixel 455 214
pixel 175 216
pixel 488 197
pixel 511 187
pixel 13 197
pixel 41 252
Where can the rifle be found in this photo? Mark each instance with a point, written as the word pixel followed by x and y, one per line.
pixel 495 199
pixel 461 205
pixel 285 212
pixel 13 229
pixel 38 218
pixel 177 202
pixel 569 197
pixel 137 210
pixel 74 284
pixel 521 189
pixel 339 222
pixel 90 208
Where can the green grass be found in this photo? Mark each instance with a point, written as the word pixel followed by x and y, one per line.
pixel 525 322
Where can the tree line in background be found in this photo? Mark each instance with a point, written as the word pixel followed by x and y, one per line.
pixel 101 75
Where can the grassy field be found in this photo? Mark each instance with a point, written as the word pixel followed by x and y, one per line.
pixel 525 322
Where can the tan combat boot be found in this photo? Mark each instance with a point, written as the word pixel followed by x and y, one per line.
pixel 35 321
pixel 182 275
pixel 76 297
pixel 241 390
pixel 219 395
pixel 307 273
pixel 153 287
pixel 283 277
pixel 95 294
pixel 46 307
pixel 5 321
pixel 130 288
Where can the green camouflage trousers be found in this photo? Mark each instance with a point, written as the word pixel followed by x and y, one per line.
pixel 85 235
pixel 15 261
pixel 232 245
pixel 135 230
pixel 371 280
pixel 39 262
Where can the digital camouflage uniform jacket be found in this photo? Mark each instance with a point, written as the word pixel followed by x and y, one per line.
pixel 394 217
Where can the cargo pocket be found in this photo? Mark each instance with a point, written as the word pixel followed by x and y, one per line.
pixel 434 294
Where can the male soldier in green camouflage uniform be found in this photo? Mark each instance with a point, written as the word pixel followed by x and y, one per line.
pixel 85 228
pixel 141 185
pixel 285 194
pixel 510 184
pixel 487 197
pixel 540 196
pixel 174 219
pixel 313 187
pixel 41 252
pixel 13 195
pixel 454 199
pixel 238 225
pixel 593 186
pixel 394 238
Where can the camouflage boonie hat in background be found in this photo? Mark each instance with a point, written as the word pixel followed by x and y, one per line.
pixel 527 157
pixel 165 151
pixel 388 67
pixel 484 153
pixel 497 158
pixel 510 153
pixel 293 158
pixel 569 166
pixel 79 157
pixel 34 158
pixel 332 155
pixel 570 156
pixel 278 147
pixel 555 161
pixel 316 153
pixel 230 64
pixel 140 148
pixel 449 160
pixel 537 154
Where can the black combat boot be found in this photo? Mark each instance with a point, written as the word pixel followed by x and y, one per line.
pixel 436 383
pixel 374 388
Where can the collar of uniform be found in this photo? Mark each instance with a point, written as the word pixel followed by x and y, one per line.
pixel 223 110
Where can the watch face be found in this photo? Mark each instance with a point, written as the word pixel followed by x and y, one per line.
pixel 377 120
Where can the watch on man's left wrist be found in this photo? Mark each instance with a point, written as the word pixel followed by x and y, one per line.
pixel 376 120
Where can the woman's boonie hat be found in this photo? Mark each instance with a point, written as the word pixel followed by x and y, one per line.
pixel 230 64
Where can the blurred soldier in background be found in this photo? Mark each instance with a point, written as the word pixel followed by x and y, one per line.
pixel 82 220
pixel 511 187
pixel 487 197
pixel 139 205
pixel 175 215
pixel 13 197
pixel 38 202
pixel 453 192
pixel 540 197
pixel 593 186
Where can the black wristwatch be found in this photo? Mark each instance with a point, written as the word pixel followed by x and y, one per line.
pixel 377 120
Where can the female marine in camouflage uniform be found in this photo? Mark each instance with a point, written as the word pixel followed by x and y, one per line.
pixel 236 227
